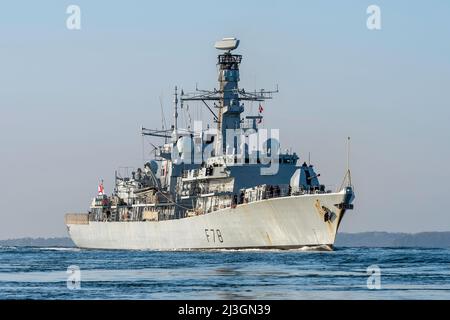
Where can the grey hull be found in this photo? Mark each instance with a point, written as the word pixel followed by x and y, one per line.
pixel 282 223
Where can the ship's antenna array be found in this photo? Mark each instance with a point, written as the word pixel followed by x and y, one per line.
pixel 228 98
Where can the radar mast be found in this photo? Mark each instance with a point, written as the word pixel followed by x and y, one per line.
pixel 229 96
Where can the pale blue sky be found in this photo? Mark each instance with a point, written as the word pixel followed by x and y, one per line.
pixel 72 102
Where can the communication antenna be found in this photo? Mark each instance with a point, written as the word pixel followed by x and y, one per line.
pixel 348 176
pixel 348 163
pixel 143 149
pixel 163 117
pixel 154 150
pixel 348 154
pixel 175 116
pixel 189 118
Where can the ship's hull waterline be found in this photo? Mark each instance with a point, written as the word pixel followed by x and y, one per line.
pixel 279 223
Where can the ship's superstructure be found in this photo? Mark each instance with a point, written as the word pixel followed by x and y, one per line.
pixel 223 187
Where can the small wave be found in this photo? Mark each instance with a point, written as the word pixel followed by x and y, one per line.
pixel 58 248
pixel 316 248
pixel 8 248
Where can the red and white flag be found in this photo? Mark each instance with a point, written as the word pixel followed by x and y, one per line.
pixel 261 109
pixel 101 190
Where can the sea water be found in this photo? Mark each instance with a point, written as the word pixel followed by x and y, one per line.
pixel 346 273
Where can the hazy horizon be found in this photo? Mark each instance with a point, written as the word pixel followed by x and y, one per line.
pixel 72 102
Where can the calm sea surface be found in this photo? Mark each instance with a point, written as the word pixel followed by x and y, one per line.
pixel 405 273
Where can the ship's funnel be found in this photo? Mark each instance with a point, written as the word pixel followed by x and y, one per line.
pixel 227 44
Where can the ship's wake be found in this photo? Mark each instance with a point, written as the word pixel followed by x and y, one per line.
pixel 317 248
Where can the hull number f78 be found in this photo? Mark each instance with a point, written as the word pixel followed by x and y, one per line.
pixel 213 235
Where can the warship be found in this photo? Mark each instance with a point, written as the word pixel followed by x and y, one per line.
pixel 226 186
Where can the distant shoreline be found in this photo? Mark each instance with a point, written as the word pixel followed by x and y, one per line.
pixel 394 239
pixel 361 239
